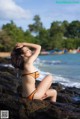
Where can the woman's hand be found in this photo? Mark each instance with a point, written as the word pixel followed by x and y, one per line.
pixel 19 45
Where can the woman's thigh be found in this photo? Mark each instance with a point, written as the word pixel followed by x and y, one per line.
pixel 43 86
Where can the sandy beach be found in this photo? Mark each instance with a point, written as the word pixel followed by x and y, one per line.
pixel 4 54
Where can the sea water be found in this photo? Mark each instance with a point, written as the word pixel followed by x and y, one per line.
pixel 64 68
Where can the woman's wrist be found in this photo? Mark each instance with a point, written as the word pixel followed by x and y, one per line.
pixel 31 45
pixel 24 44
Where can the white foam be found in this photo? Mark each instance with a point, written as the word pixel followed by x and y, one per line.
pixel 59 79
pixel 6 65
pixel 72 84
pixel 46 62
pixel 56 78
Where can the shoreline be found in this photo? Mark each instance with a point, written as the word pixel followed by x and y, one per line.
pixel 7 54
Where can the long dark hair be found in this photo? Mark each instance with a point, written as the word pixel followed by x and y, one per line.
pixel 17 59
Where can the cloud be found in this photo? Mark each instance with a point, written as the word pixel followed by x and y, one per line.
pixel 9 10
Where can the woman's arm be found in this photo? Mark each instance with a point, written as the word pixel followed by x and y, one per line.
pixel 36 48
pixel 36 52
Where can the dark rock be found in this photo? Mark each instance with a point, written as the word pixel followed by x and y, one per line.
pixel 58 86
pixel 64 98
pixel 5 60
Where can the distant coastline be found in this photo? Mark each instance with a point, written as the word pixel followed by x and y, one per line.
pixel 52 52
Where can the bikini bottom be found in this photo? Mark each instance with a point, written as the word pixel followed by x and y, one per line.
pixel 30 97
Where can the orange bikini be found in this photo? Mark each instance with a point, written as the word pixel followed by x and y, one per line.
pixel 34 75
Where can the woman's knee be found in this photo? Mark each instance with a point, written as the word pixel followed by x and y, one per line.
pixel 49 76
pixel 54 92
pixel 37 96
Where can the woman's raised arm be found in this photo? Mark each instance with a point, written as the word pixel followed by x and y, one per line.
pixel 36 47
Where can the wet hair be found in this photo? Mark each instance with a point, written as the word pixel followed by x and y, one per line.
pixel 16 58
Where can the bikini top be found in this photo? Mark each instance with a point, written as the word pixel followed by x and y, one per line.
pixel 33 74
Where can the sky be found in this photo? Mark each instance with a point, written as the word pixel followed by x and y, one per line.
pixel 22 12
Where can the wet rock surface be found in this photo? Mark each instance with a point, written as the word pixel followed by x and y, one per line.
pixel 66 107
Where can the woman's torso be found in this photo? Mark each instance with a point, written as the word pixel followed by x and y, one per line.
pixel 28 81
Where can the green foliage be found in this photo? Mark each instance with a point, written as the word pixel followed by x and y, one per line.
pixel 5 41
pixel 59 35
pixel 73 30
pixel 43 38
pixel 29 38
pixel 36 26
pixel 14 32
pixel 71 43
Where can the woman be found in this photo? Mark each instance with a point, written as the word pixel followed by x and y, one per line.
pixel 23 58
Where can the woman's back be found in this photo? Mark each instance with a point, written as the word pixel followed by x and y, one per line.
pixel 29 75
pixel 28 84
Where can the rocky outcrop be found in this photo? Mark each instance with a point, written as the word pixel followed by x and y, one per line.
pixel 66 107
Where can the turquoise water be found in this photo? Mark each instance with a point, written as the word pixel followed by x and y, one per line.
pixel 65 68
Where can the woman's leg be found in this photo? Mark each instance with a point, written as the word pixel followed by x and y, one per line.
pixel 43 89
pixel 50 93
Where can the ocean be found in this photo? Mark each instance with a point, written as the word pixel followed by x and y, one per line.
pixel 64 68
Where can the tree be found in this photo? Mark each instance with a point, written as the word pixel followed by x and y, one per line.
pixel 56 28
pixel 73 30
pixel 36 26
pixel 44 38
pixel 5 41
pixel 59 35
pixel 56 34
pixel 29 38
pixel 16 33
pixel 64 26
